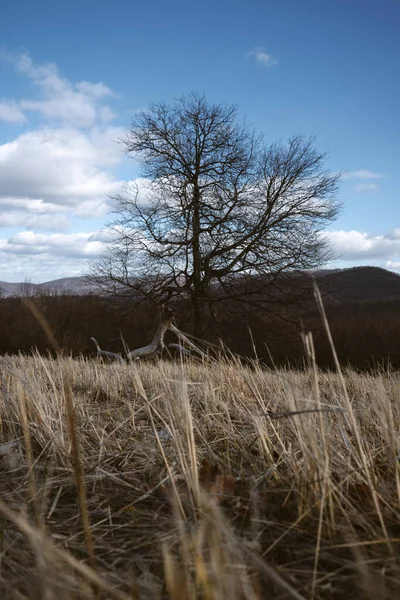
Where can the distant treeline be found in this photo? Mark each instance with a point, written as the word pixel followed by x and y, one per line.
pixel 366 335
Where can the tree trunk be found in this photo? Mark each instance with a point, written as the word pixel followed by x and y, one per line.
pixel 200 299
pixel 202 313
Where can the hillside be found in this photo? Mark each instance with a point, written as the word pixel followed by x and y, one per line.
pixel 358 284
pixel 65 285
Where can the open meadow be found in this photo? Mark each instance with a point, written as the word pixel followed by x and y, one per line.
pixel 199 300
pixel 195 479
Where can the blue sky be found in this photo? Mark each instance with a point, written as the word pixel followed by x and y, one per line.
pixel 73 74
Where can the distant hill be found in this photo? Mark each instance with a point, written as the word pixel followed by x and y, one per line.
pixel 341 286
pixel 75 285
pixel 70 285
pixel 360 284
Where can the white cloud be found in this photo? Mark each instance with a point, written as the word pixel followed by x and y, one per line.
pixel 43 257
pixel 11 113
pixel 104 235
pixel 366 187
pixel 72 245
pixel 69 165
pixel 362 174
pixel 261 56
pixel 392 265
pixel 60 100
pixel 61 167
pixel 356 245
pixel 29 206
pixel 106 115
pixel 48 222
pixel 96 90
pixel 70 109
pixel 64 168
pixel 394 234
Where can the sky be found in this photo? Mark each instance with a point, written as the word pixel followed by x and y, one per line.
pixel 73 74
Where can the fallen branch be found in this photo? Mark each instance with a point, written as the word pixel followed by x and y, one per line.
pixel 182 337
pixel 104 354
pixel 157 344
pixel 180 349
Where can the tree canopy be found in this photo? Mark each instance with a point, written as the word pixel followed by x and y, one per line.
pixel 216 204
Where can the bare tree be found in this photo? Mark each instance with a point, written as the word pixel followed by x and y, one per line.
pixel 216 205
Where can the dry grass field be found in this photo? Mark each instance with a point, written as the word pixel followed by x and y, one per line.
pixel 195 480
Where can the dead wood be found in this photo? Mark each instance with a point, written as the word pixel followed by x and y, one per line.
pixel 185 346
pixel 105 354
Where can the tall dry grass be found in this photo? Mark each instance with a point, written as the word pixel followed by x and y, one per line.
pixel 192 480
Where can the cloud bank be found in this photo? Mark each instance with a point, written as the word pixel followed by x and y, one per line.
pixel 357 246
pixel 58 168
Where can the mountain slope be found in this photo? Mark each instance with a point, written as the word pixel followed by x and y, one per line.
pixel 358 284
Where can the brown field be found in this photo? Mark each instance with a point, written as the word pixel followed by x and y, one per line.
pixel 235 498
